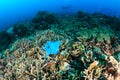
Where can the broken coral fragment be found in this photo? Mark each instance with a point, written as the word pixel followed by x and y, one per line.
pixel 65 66
pixel 93 65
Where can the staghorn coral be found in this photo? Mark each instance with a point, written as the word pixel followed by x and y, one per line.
pixel 97 32
pixel 112 69
pixel 20 30
pixel 93 74
pixel 43 19
pixel 84 43
pixel 22 44
pixel 48 35
pixel 66 64
pixel 92 65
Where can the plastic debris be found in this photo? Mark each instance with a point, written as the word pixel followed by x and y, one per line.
pixel 51 47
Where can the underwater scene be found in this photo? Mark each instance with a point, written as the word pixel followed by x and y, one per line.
pixel 65 44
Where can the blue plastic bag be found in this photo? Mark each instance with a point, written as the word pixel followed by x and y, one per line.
pixel 51 47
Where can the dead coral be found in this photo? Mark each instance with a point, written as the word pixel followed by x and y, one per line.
pixel 86 53
pixel 94 74
pixel 92 65
pixel 112 69
pixel 48 35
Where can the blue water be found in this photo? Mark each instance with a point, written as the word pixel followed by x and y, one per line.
pixel 14 11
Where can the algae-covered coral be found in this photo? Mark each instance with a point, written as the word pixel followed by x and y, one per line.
pixel 86 47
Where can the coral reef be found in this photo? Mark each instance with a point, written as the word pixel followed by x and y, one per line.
pixel 5 40
pixel 81 47
pixel 43 19
pixel 20 30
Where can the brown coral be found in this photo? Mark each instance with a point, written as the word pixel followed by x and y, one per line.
pixel 92 65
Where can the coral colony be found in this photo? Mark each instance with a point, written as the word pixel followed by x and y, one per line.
pixel 57 47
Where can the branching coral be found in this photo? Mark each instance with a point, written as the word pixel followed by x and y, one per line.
pixel 20 30
pixel 43 19
pixel 112 69
pixel 88 50
pixel 48 35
